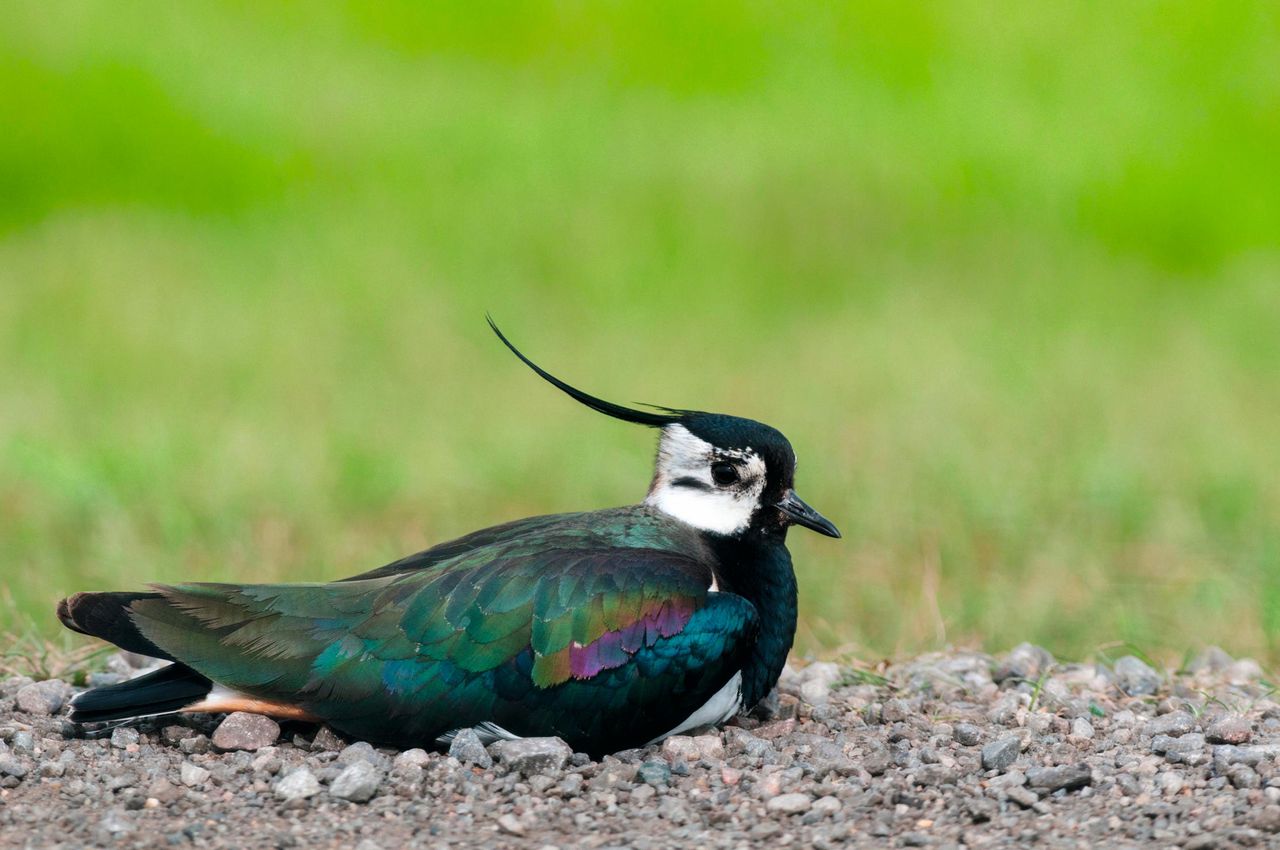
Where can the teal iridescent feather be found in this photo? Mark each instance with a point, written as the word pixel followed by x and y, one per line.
pixel 534 626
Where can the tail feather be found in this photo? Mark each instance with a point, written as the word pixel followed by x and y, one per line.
pixel 165 691
pixel 108 616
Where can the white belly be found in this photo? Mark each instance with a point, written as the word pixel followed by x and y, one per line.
pixel 724 704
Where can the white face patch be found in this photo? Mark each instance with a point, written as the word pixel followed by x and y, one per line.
pixel 683 486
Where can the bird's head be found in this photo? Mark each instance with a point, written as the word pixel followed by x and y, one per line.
pixel 721 474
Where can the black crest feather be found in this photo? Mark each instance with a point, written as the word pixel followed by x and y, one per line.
pixel 665 416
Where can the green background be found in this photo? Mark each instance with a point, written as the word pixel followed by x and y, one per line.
pixel 1007 274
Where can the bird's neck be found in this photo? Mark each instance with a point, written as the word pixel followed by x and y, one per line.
pixel 760 571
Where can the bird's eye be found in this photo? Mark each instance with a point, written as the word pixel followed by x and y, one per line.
pixel 723 473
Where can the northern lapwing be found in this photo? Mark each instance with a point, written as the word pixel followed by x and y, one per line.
pixel 610 629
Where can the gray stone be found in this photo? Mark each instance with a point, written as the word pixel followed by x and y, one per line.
pixel 654 773
pixel 244 731
pixel 1052 779
pixel 116 822
pixel 45 698
pixel 681 748
pixel 102 680
pixel 966 734
pixel 571 785
pixel 1226 755
pixel 742 741
pixel 1024 797
pixel 1000 754
pixel 1174 724
pixel 815 692
pixel 1192 742
pixel 192 775
pixel 533 755
pixel 876 758
pixel 1243 672
pixel 1267 819
pixel 267 761
pixel 1243 776
pixel 124 737
pixel 194 745
pixel 790 804
pixel 1081 730
pixel 467 748
pixel 10 766
pixel 298 785
pixel 1170 783
pixel 1005 710
pixel 933 775
pixel 896 711
pixel 1212 659
pixel 710 747
pixel 327 740
pixel 174 734
pixel 365 752
pixel 510 824
pixel 415 758
pixel 358 782
pixel 827 805
pixel 822 671
pixel 162 790
pixel 1231 729
pixel 1025 661
pixel 23 743
pixel 1135 677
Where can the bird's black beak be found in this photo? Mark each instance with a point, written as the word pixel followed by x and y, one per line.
pixel 801 514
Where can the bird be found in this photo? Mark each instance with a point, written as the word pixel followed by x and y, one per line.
pixel 610 629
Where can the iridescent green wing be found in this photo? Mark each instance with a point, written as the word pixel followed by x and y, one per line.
pixel 442 648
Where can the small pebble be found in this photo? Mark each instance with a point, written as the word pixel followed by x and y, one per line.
pixel 654 773
pixel 244 731
pixel 192 775
pixel 1170 783
pixel 416 758
pixel 1052 779
pixel 1173 724
pixel 1081 730
pixel 12 767
pixel 533 755
pixel 1192 742
pixel 1135 677
pixel 510 824
pixel 999 754
pixel 361 751
pixel 124 737
pixel 358 782
pixel 43 698
pixel 1026 662
pixel 1231 729
pixel 790 804
pixel 680 748
pixel 327 740
pixel 298 785
pixel 827 805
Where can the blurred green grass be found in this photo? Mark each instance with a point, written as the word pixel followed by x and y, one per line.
pixel 1008 276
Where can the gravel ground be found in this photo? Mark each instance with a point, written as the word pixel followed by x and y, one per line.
pixel 956 749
